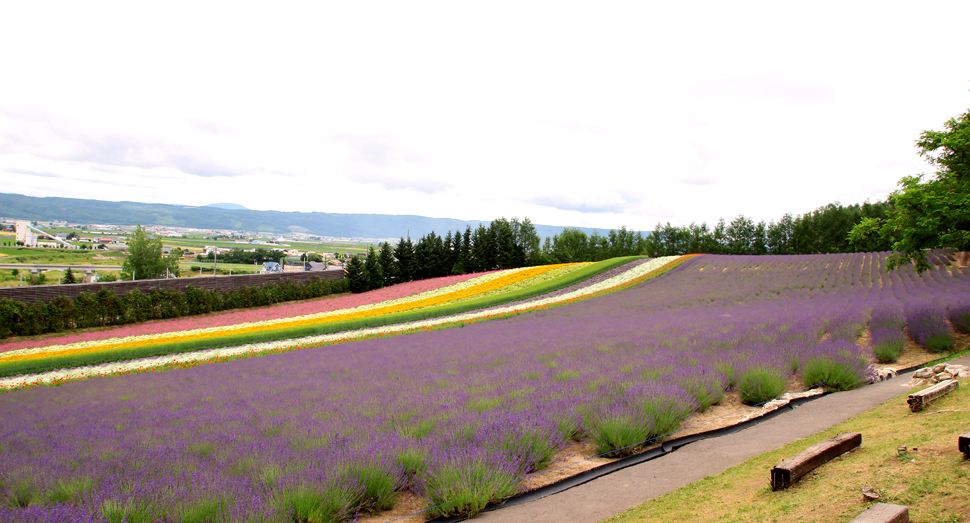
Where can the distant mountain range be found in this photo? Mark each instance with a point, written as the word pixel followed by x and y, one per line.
pixel 238 218
pixel 234 206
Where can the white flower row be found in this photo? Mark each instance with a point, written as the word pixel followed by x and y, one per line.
pixel 147 363
pixel 208 330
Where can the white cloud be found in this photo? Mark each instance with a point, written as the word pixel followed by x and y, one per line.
pixel 620 113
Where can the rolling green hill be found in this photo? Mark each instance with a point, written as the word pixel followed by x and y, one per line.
pixel 321 223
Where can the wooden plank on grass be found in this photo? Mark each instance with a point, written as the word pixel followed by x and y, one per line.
pixel 790 470
pixel 964 443
pixel 920 400
pixel 884 513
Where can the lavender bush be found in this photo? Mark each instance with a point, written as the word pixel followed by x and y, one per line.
pixel 886 332
pixel 926 324
pixel 835 365
pixel 759 384
pixel 959 314
pixel 638 416
pixel 458 416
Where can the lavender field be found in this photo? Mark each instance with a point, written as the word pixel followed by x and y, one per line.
pixel 459 416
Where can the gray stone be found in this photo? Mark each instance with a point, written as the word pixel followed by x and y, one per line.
pixel 924 373
pixel 938 368
pixel 944 376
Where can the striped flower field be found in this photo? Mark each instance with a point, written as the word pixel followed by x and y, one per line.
pixel 450 407
pixel 494 283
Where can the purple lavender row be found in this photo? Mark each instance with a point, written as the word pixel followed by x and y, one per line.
pixel 457 416
pixel 616 271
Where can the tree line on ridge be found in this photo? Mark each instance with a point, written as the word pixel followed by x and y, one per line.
pixel 508 244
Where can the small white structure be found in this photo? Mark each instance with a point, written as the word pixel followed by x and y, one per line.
pixel 24 234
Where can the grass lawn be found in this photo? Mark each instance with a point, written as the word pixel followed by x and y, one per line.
pixel 933 481
pixel 29 255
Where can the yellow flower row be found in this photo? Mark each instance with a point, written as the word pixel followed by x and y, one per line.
pixel 475 290
pixel 563 270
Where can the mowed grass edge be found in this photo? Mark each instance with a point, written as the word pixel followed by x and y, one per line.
pixel 933 481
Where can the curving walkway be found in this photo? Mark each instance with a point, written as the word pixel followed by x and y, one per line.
pixel 610 495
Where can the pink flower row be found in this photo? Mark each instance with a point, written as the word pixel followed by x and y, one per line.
pixel 284 310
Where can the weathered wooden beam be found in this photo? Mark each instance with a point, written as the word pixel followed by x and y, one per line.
pixel 920 400
pixel 790 470
pixel 883 513
pixel 964 443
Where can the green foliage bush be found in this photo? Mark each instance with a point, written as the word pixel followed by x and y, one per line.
pixel 466 489
pixel 760 384
pixel 833 374
pixel 107 308
pixel 888 350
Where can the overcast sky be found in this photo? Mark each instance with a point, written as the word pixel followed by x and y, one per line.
pixel 597 114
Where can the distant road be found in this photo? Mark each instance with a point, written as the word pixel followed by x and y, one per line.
pixel 55 267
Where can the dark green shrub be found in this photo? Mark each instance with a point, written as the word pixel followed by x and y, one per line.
pixel 835 375
pixel 89 309
pixel 319 504
pixel 111 307
pixel 760 384
pixel 61 313
pixel 465 489
pixel 379 486
pixel 137 306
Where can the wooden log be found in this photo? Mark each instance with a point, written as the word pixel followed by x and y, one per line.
pixel 920 400
pixel 790 470
pixel 964 443
pixel 884 513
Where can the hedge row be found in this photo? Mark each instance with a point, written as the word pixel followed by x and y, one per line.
pixel 107 308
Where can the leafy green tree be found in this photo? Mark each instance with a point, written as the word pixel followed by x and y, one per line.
pixel 308 257
pixel 466 249
pixel 459 254
pixel 741 234
pixel 780 234
pixel 509 254
pixel 929 212
pixel 483 249
pixel 527 238
pixel 627 243
pixel 372 270
pixel 69 277
pixel 145 260
pixel 404 252
pixel 387 264
pixel 357 280
pixel 424 252
pixel 449 253
pixel 598 247
pixel 572 245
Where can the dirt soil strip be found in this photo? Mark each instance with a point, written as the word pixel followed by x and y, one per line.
pixel 610 495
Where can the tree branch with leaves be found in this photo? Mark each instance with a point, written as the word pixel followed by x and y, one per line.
pixel 929 212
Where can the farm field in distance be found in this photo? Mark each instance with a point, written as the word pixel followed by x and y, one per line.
pixel 456 416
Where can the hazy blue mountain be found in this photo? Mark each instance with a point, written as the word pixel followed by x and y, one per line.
pixel 213 217
pixel 233 206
